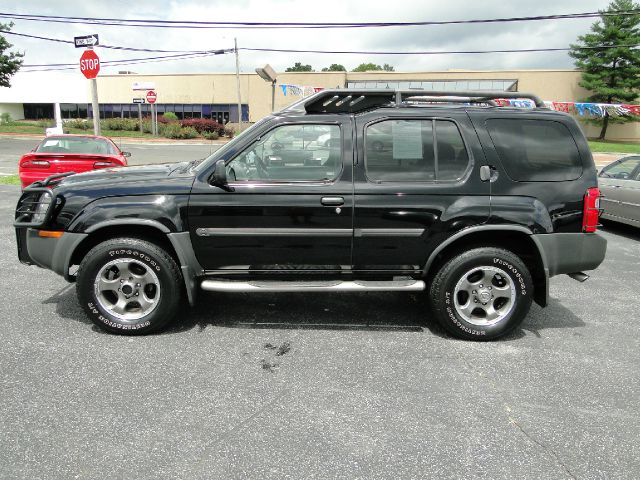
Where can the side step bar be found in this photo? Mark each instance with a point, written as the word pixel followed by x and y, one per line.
pixel 310 286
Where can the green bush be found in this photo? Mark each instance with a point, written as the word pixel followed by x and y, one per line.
pixel 128 124
pixel 211 135
pixel 188 132
pixel 169 116
pixel 174 130
pixel 5 117
pixel 146 126
pixel 78 123
pixel 169 130
pixel 46 123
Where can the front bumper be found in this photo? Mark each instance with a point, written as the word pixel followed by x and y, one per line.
pixel 570 252
pixel 50 253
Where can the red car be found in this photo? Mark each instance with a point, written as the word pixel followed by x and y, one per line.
pixel 69 153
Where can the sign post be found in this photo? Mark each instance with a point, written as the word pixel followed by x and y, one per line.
pixel 151 99
pixel 90 67
pixel 139 102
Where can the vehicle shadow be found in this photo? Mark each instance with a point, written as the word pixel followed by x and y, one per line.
pixel 334 311
pixel 622 229
pixel 381 311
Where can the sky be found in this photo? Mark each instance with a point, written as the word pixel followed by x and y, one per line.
pixel 542 34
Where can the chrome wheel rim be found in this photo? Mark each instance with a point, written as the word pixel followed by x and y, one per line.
pixel 127 289
pixel 484 296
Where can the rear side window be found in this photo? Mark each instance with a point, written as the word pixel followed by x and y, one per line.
pixel 414 151
pixel 535 150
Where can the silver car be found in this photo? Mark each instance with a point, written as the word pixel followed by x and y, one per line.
pixel 620 185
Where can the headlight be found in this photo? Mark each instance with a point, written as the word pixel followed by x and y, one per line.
pixel 41 209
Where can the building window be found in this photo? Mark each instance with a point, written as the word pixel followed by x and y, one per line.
pixel 36 111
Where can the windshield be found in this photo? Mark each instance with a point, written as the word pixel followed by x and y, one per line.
pixel 96 146
pixel 218 153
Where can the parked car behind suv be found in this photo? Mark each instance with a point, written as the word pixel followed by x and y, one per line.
pixel 477 205
pixel 69 153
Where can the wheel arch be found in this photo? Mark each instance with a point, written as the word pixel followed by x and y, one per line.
pixel 113 229
pixel 176 244
pixel 514 238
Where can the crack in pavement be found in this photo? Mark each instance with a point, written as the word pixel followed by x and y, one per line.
pixel 244 422
pixel 549 451
pixel 540 444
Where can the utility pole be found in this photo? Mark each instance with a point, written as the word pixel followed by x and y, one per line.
pixel 235 41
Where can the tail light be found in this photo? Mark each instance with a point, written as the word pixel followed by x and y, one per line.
pixel 43 164
pixel 103 164
pixel 591 211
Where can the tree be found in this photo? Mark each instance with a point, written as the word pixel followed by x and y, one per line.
pixel 335 67
pixel 298 67
pixel 367 67
pixel 609 62
pixel 10 62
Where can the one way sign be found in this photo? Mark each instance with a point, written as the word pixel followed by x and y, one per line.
pixel 86 41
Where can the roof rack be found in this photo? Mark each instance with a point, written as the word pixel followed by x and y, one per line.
pixel 357 100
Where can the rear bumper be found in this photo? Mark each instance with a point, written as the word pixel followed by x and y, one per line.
pixel 27 178
pixel 571 252
pixel 50 253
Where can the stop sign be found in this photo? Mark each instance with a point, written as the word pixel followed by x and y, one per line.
pixel 89 64
pixel 151 96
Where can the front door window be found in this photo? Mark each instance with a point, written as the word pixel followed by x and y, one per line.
pixel 290 153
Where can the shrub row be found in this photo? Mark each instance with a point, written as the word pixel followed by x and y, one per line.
pixel 202 125
pixel 169 126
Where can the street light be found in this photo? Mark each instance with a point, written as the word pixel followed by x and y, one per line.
pixel 268 74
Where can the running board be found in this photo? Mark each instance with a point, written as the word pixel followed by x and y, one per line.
pixel 311 286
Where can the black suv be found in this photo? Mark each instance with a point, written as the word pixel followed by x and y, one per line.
pixel 345 191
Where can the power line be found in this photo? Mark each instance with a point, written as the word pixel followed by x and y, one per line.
pixel 59 40
pixel 135 61
pixel 114 63
pixel 228 24
pixel 132 61
pixel 433 52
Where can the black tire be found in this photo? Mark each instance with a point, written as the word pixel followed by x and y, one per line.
pixel 141 258
pixel 510 306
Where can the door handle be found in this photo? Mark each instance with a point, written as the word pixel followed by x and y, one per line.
pixel 488 173
pixel 332 201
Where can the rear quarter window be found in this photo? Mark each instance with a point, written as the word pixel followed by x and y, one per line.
pixel 535 150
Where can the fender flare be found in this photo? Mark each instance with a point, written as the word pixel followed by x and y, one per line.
pixel 497 228
pixel 128 221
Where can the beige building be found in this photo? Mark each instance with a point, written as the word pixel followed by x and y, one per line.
pixel 220 89
pixel 214 95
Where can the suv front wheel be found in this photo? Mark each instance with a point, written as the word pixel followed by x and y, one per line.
pixel 129 286
pixel 482 294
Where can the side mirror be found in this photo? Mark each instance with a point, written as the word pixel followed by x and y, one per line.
pixel 126 154
pixel 219 177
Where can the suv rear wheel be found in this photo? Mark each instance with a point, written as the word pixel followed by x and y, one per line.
pixel 482 293
pixel 129 286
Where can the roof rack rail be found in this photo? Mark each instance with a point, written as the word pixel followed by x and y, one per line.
pixel 358 100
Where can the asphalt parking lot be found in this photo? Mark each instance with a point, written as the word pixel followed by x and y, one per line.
pixel 320 386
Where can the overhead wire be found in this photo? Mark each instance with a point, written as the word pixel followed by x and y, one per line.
pixel 244 24
pixel 187 54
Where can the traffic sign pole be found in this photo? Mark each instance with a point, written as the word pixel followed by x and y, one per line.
pixel 151 99
pixel 90 67
pixel 95 106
